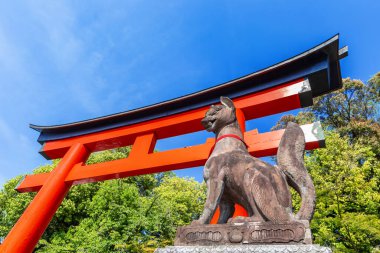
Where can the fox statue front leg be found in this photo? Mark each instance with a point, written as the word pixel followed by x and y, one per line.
pixel 215 185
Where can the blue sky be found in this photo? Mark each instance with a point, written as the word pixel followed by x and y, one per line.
pixel 64 61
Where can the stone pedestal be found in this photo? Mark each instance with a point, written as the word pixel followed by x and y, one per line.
pixel 295 232
pixel 261 237
pixel 275 248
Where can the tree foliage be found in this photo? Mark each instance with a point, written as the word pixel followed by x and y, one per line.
pixel 135 214
pixel 346 173
pixel 347 180
pixel 356 101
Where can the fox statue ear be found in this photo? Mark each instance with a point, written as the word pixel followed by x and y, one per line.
pixel 227 102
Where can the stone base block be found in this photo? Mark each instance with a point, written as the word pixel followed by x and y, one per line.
pixel 295 232
pixel 310 248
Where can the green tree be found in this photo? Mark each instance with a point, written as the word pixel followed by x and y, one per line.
pixel 353 111
pixel 346 173
pixel 347 179
pixel 135 214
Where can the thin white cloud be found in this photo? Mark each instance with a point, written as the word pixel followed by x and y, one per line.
pixel 11 58
pixel 6 133
pixel 57 22
pixel 16 148
pixel 63 61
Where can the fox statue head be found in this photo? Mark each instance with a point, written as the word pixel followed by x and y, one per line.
pixel 219 116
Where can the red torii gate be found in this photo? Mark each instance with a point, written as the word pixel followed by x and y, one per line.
pixel 285 86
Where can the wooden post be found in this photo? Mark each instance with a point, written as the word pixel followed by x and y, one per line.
pixel 29 228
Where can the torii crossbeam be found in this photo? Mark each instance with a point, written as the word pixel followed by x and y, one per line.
pixel 282 87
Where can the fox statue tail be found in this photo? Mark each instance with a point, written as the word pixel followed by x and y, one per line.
pixel 290 160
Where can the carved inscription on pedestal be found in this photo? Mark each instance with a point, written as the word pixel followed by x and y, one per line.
pixel 267 233
pixel 213 236
pixel 275 234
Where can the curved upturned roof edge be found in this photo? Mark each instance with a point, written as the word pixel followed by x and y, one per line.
pixel 319 64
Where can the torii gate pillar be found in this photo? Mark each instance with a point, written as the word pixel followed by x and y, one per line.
pixel 29 228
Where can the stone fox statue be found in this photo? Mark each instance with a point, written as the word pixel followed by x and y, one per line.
pixel 234 176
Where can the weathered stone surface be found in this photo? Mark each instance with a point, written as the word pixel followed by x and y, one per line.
pixel 311 248
pixel 243 233
pixel 233 176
